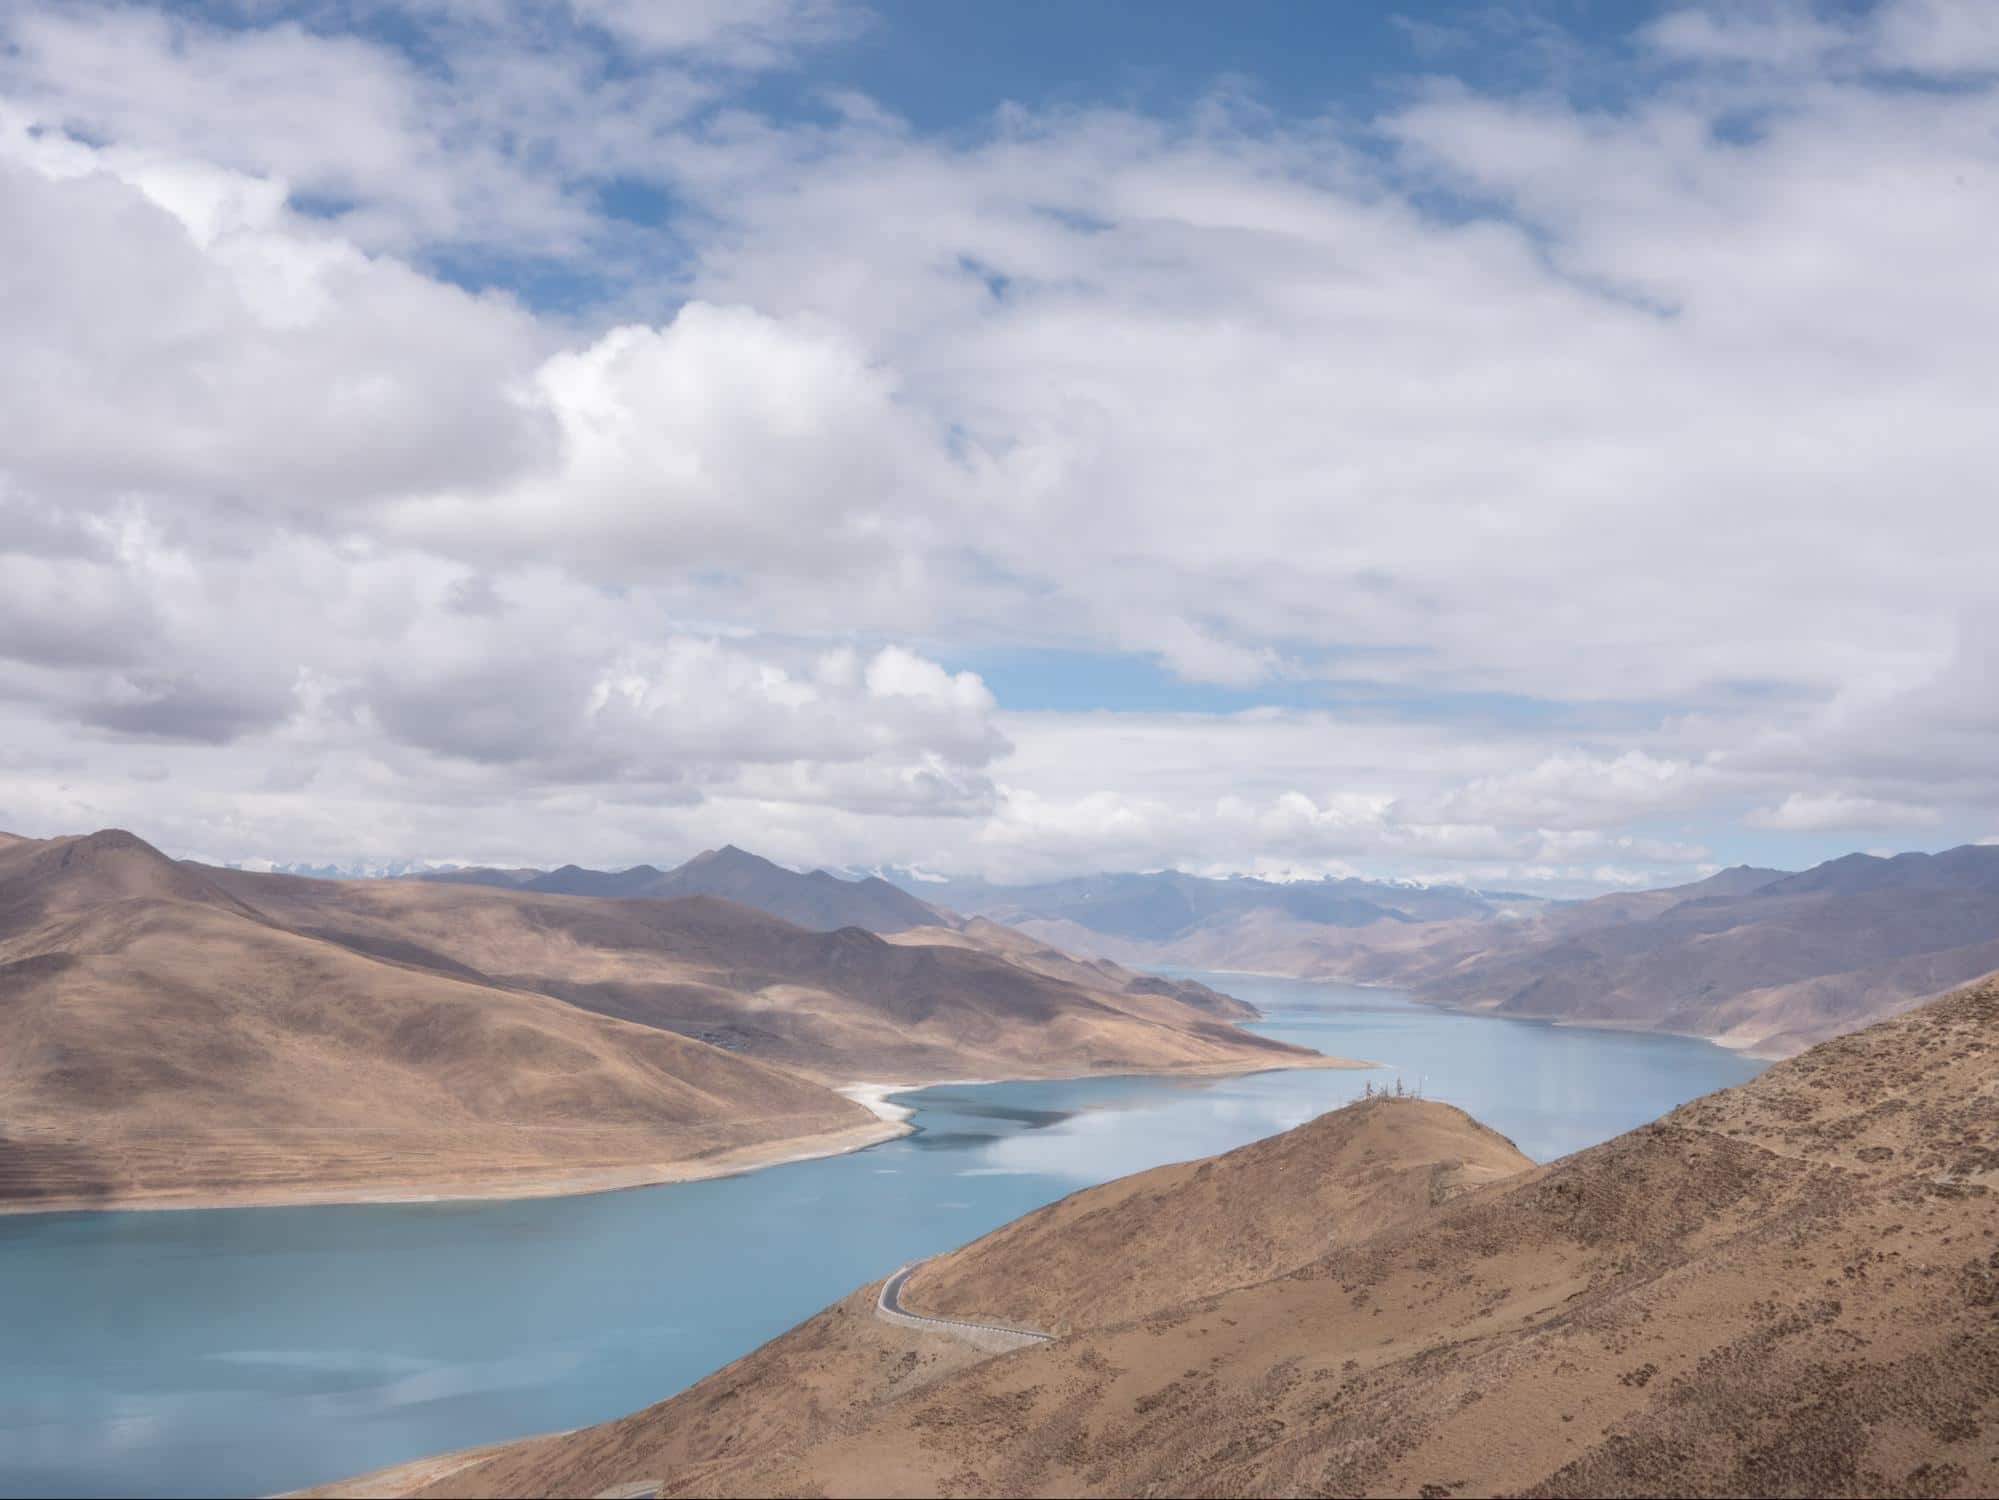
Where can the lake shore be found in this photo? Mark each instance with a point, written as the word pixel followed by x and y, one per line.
pixel 891 1121
pixel 558 1184
pixel 1758 1049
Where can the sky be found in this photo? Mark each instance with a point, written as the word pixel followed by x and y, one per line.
pixel 1548 446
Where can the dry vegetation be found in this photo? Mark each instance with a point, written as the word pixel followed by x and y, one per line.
pixel 1790 1287
pixel 837 1006
pixel 176 1034
pixel 162 1041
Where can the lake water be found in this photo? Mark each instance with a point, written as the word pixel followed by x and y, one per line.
pixel 244 1351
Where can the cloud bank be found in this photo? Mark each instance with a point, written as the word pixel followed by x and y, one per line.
pixel 1576 490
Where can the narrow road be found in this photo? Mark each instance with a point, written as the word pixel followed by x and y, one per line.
pixel 993 1336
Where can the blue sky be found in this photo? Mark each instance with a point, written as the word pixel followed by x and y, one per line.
pixel 946 67
pixel 1522 444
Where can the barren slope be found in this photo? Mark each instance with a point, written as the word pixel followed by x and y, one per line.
pixel 1096 973
pixel 1790 1287
pixel 839 1005
pixel 1776 967
pixel 818 900
pixel 1756 959
pixel 1109 1253
pixel 160 1040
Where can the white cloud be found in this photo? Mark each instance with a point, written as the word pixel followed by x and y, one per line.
pixel 723 440
pixel 1780 35
pixel 1646 484
pixel 1939 36
pixel 171 331
pixel 1573 789
pixel 1824 812
pixel 739 33
pixel 1194 655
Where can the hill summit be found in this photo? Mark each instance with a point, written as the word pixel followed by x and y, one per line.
pixel 818 900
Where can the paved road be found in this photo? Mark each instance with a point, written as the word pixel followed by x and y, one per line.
pixel 889 1306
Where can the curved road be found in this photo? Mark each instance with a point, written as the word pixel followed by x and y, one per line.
pixel 889 1307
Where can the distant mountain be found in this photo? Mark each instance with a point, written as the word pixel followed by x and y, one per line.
pixel 166 1036
pixel 360 869
pixel 1753 958
pixel 1784 1288
pixel 1771 960
pixel 835 1004
pixel 173 1032
pixel 1165 906
pixel 1171 919
pixel 819 900
pixel 574 880
pixel 1970 867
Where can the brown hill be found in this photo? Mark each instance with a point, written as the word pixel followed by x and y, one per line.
pixel 1757 959
pixel 161 1040
pixel 1092 973
pixel 1789 1287
pixel 1774 967
pixel 173 1033
pixel 818 900
pixel 840 1005
pixel 1196 1228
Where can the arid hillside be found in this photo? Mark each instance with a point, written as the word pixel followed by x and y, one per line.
pixel 170 1032
pixel 1758 959
pixel 1776 967
pixel 1104 1255
pixel 840 1005
pixel 817 900
pixel 1092 973
pixel 1786 1288
pixel 163 1041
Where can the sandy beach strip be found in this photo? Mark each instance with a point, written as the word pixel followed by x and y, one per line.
pixel 874 1097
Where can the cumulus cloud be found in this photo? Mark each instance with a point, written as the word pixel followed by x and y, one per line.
pixel 496 135
pixel 1570 477
pixel 1573 790
pixel 738 33
pixel 172 330
pixel 724 440
pixel 1821 812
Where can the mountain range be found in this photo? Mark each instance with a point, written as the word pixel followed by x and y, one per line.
pixel 1768 960
pixel 1169 905
pixel 1787 1287
pixel 1759 959
pixel 818 899
pixel 173 1032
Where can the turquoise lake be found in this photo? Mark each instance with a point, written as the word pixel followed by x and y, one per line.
pixel 245 1351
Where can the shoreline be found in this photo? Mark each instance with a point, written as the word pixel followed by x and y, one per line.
pixel 1473 1008
pixel 873 1097
pixel 891 1122
pixel 394 1481
pixel 574 1182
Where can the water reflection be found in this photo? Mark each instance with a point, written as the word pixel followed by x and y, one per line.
pixel 941 1099
pixel 1095 1145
